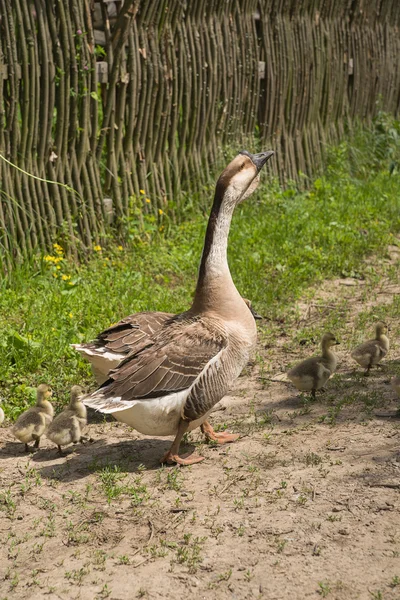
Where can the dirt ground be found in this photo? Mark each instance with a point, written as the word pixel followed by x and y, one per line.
pixel 304 505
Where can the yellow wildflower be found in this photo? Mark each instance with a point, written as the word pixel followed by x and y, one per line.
pixel 71 315
pixel 66 277
pixel 148 200
pixel 70 283
pixel 48 258
pixel 58 248
pixel 160 211
pixel 97 248
pixel 58 267
pixel 120 248
pixel 57 259
pixel 142 191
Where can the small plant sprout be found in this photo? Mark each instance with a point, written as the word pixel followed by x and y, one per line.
pixel 324 589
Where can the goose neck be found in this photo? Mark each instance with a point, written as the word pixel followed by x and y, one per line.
pixel 327 352
pixel 215 284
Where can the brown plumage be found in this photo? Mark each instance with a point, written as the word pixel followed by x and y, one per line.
pixel 129 335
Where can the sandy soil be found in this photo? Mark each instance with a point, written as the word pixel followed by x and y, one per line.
pixel 304 505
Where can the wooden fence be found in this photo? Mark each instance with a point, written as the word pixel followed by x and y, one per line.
pixel 110 98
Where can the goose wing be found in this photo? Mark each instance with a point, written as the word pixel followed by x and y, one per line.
pixel 369 352
pixel 129 333
pixel 179 354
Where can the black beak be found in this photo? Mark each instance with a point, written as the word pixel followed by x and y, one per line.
pixel 260 159
pixel 255 314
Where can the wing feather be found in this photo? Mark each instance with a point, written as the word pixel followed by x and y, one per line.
pixel 179 354
pixel 130 332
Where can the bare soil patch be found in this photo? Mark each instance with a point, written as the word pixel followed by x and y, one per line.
pixel 304 505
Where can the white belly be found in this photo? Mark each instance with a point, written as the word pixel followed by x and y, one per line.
pixel 157 416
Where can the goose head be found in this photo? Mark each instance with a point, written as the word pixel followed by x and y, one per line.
pixel 249 305
pixel 380 329
pixel 76 393
pixel 43 392
pixel 241 177
pixel 328 340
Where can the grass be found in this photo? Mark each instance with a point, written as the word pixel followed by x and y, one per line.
pixel 283 240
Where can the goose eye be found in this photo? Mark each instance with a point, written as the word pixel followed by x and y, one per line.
pixel 242 166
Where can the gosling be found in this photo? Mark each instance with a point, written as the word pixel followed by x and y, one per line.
pixel 371 352
pixel 395 383
pixel 68 425
pixel 32 424
pixel 311 374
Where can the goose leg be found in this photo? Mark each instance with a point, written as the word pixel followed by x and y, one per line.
pixel 172 455
pixel 313 394
pixel 85 439
pixel 60 452
pixel 220 437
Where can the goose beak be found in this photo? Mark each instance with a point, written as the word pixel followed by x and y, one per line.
pixel 260 159
pixel 255 314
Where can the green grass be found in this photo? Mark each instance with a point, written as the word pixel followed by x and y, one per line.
pixel 282 241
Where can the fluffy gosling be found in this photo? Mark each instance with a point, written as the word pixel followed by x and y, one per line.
pixel 68 425
pixel 371 352
pixel 31 425
pixel 395 383
pixel 311 374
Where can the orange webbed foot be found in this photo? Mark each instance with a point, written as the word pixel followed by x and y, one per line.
pixel 191 459
pixel 221 437
pixel 225 438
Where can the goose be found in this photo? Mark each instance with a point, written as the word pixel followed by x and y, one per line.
pixel 128 335
pixel 31 425
pixel 170 382
pixel 395 383
pixel 371 352
pixel 311 374
pixel 67 427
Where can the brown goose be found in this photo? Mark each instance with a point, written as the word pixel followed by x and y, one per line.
pixel 128 335
pixel 371 352
pixel 31 425
pixel 170 384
